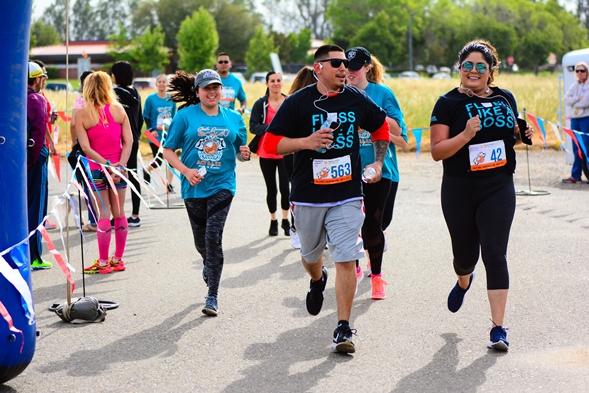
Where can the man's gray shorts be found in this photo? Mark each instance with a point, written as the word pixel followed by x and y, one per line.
pixel 337 226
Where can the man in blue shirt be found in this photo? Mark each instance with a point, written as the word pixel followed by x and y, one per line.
pixel 232 87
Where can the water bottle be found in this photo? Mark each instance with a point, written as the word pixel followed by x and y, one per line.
pixel 368 173
pixel 325 124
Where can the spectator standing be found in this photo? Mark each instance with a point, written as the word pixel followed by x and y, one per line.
pixel 104 132
pixel 577 99
pixel 122 76
pixel 37 153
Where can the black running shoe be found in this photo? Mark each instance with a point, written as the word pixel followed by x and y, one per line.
pixel 342 339
pixel 315 294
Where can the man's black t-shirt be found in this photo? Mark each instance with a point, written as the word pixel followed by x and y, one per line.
pixel 491 150
pixel 334 174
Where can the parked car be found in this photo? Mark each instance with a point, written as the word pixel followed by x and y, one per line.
pixel 258 77
pixel 409 75
pixel 441 75
pixel 144 83
pixel 59 86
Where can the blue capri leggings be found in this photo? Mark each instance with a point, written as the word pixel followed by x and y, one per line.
pixel 479 212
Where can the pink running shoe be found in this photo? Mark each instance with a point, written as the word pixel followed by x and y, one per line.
pixel 116 266
pixel 359 277
pixel 378 288
pixel 96 267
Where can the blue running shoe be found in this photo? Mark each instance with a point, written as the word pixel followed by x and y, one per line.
pixel 211 308
pixel 498 339
pixel 456 296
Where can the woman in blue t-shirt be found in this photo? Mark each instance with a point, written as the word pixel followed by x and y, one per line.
pixel 158 113
pixel 211 138
pixel 365 73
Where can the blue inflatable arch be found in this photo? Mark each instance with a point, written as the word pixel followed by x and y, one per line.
pixel 17 345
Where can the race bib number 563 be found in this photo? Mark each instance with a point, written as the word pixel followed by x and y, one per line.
pixel 336 170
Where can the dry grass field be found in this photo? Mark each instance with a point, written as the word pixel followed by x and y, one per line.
pixel 537 94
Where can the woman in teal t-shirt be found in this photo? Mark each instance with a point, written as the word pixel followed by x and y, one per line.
pixel 365 73
pixel 211 138
pixel 158 113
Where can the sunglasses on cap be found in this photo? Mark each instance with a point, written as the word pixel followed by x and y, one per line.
pixel 467 66
pixel 336 63
pixel 578 71
pixel 223 62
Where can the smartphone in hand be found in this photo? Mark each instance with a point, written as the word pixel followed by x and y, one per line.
pixel 523 126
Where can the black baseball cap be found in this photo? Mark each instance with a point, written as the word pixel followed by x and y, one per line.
pixel 358 57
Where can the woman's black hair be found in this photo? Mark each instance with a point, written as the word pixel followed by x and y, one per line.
pixel 83 78
pixel 268 75
pixel 123 72
pixel 182 89
pixel 489 54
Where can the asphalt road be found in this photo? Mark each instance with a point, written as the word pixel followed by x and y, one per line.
pixel 263 339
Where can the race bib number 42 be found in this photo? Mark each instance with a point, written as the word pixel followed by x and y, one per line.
pixel 487 155
pixel 336 170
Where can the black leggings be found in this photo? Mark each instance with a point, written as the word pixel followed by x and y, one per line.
pixel 207 219
pixel 479 212
pixel 158 159
pixel 132 164
pixel 387 216
pixel 269 167
pixel 375 199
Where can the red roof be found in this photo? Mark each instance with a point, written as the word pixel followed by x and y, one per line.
pixel 75 48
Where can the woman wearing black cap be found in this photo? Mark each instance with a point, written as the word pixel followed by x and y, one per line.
pixel 365 73
pixel 211 138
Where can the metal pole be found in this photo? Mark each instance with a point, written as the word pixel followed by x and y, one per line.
pixel 410 43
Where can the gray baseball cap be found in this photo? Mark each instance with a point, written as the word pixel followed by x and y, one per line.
pixel 207 77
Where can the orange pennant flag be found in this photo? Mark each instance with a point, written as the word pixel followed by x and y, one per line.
pixel 57 163
pixel 536 125
pixel 58 258
pixel 152 138
pixel 63 117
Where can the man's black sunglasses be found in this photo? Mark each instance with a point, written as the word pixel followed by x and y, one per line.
pixel 336 63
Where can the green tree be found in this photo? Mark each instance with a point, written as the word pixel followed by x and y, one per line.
pixel 197 41
pixel 542 38
pixel 119 46
pixel 55 16
pixel 144 17
pixel 236 26
pixel 300 44
pixel 107 19
pixel 379 37
pixel 258 55
pixel 283 42
pixel 43 34
pixel 149 52
pixel 83 21
pixel 171 13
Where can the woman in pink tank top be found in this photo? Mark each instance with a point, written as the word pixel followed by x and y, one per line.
pixel 104 133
